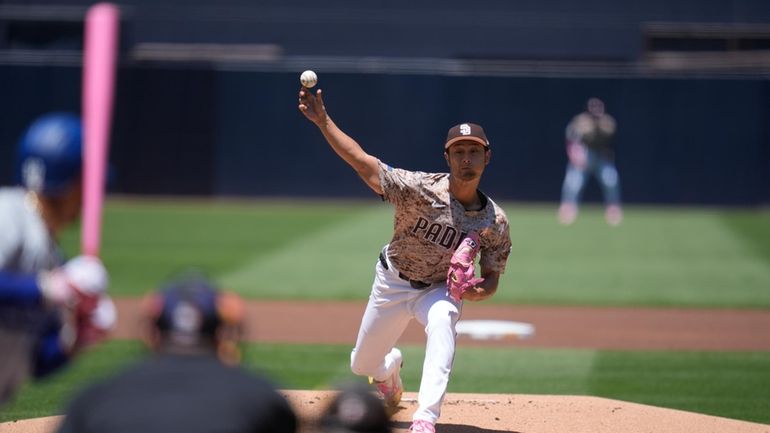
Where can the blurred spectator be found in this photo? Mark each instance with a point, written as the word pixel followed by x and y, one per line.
pixel 355 410
pixel 192 382
pixel 49 309
pixel 590 151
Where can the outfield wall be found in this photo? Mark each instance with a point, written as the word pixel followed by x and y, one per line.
pixel 193 129
pixel 481 29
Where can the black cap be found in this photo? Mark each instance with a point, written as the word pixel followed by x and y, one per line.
pixel 466 131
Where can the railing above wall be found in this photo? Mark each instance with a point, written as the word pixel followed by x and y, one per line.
pixel 707 47
pixel 158 34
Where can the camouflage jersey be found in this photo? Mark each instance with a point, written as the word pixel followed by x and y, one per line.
pixel 429 225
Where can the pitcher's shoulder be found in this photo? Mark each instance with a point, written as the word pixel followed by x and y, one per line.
pixel 499 212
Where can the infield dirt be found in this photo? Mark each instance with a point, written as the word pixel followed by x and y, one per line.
pixel 562 327
pixel 498 413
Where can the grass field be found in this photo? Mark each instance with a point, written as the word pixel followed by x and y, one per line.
pixel 326 250
pixel 321 250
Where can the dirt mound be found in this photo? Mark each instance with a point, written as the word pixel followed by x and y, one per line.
pixel 497 413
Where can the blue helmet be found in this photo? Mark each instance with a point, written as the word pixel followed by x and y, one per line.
pixel 50 153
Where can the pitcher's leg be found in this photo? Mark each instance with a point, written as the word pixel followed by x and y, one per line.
pixel 385 318
pixel 380 329
pixel 439 313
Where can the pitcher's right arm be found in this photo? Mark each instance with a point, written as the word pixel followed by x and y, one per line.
pixel 367 166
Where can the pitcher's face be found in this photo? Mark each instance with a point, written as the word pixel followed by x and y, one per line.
pixel 467 159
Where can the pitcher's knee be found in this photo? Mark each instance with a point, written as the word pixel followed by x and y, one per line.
pixel 355 366
pixel 358 370
pixel 358 367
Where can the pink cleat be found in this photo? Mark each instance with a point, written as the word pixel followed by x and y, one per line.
pixel 422 426
pixel 613 215
pixel 391 388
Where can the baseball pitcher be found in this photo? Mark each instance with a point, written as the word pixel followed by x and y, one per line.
pixel 442 222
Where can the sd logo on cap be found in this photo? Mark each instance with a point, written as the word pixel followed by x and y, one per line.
pixel 466 131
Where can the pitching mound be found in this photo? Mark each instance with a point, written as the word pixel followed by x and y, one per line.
pixel 497 413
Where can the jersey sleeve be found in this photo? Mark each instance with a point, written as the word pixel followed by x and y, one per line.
pixel 607 124
pixel 19 290
pixel 398 185
pixel 578 127
pixel 496 248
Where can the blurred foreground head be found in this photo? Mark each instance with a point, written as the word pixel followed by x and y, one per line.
pixel 190 315
pixel 356 410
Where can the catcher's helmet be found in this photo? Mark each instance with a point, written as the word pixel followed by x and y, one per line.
pixel 355 409
pixel 191 310
pixel 50 154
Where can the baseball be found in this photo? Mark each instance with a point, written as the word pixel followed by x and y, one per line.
pixel 308 79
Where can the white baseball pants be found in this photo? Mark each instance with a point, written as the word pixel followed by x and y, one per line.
pixel 392 304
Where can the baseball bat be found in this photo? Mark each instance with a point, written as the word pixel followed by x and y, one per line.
pixel 99 53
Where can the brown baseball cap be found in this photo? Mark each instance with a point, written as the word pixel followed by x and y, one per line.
pixel 466 131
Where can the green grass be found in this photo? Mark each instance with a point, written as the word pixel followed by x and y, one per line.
pixel 733 385
pixel 146 242
pixel 320 250
pixel 659 257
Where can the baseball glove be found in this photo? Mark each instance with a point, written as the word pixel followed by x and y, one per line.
pixel 461 275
